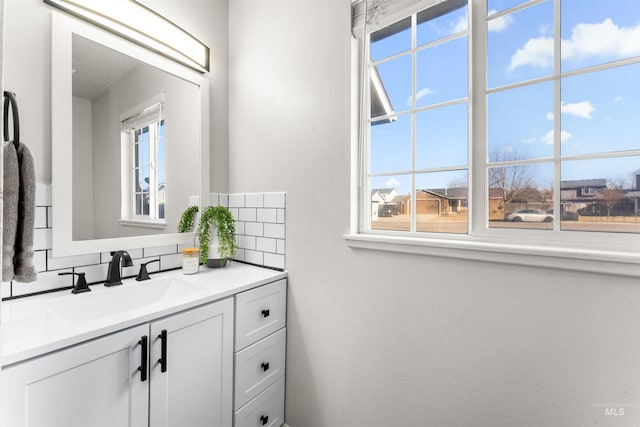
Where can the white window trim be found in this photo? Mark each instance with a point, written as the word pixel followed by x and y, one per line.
pixel 128 218
pixel 582 253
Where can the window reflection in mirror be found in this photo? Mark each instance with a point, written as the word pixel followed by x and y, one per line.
pixel 136 135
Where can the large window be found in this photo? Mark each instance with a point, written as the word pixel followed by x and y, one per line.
pixel 504 119
pixel 144 151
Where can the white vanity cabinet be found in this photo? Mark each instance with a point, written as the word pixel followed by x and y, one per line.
pixel 260 347
pixel 187 380
pixel 92 384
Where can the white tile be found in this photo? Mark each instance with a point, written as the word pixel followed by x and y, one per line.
pixel 247 214
pixel 224 200
pixel 94 273
pixel 247 242
pixel 267 215
pixel 280 246
pixel 168 262
pixel 281 216
pixel 160 250
pixel 214 199
pixel 42 239
pixel 234 213
pixel 40 217
pixel 239 227
pixel 254 229
pixel 43 194
pixel 236 200
pixel 239 255
pixel 72 261
pixel 274 260
pixel 40 260
pixel 45 282
pixel 254 200
pixel 253 257
pixel 274 230
pixel 5 289
pixel 274 200
pixel 49 217
pixel 194 200
pixel 265 244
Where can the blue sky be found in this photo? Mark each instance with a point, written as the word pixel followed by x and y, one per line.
pixel 599 110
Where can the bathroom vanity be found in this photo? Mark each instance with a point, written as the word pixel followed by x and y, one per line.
pixel 176 350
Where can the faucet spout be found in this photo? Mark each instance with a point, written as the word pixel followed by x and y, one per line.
pixel 113 274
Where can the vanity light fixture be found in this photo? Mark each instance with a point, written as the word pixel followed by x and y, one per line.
pixel 137 23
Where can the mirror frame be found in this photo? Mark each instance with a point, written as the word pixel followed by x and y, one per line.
pixel 62 29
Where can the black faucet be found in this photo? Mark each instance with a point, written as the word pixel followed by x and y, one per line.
pixel 113 274
pixel 81 285
pixel 143 274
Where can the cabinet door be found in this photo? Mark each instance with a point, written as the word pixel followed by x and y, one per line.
pixel 195 388
pixel 91 384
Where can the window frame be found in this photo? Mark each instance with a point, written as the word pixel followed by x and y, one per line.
pixel 129 217
pixel 602 252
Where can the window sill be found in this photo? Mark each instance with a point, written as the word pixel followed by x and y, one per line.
pixel 563 258
pixel 142 223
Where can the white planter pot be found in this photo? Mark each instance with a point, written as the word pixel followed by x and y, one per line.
pixel 213 258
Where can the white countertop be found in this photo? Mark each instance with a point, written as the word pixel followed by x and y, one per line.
pixel 29 328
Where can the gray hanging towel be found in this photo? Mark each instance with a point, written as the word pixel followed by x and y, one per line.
pixel 19 187
pixel 11 195
pixel 23 258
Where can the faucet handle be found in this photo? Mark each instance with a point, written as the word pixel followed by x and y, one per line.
pixel 81 285
pixel 143 274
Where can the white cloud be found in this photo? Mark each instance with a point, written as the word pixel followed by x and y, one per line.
pixel 499 24
pixel 549 137
pixel 580 109
pixel 549 115
pixel 529 141
pixel 618 98
pixel 537 52
pixel 391 183
pixel 603 40
pixel 421 93
pixel 461 24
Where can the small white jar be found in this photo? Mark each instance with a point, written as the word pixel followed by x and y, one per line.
pixel 190 260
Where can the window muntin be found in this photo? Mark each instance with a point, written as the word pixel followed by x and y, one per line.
pixel 558 136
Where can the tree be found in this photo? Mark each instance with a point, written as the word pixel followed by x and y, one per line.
pixel 611 197
pixel 514 180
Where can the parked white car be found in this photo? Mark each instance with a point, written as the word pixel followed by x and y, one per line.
pixel 531 215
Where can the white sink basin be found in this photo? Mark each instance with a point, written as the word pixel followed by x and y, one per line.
pixel 105 302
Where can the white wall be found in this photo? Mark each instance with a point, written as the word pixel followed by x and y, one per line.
pixel 82 166
pixel 382 339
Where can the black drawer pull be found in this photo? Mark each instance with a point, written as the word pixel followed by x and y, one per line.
pixel 143 358
pixel 264 419
pixel 265 366
pixel 265 312
pixel 163 351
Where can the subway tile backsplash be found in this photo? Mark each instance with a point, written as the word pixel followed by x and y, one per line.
pixel 260 226
pixel 260 229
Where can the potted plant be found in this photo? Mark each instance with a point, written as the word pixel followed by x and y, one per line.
pixel 190 256
pixel 217 249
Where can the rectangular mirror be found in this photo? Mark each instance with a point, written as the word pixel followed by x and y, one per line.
pixel 129 142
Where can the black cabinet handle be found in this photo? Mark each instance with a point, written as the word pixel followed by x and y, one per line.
pixel 265 366
pixel 264 419
pixel 163 351
pixel 144 343
pixel 265 312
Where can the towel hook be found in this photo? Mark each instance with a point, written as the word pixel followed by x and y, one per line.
pixel 10 99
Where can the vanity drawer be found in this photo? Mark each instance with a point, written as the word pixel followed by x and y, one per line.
pixel 265 410
pixel 259 366
pixel 260 312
